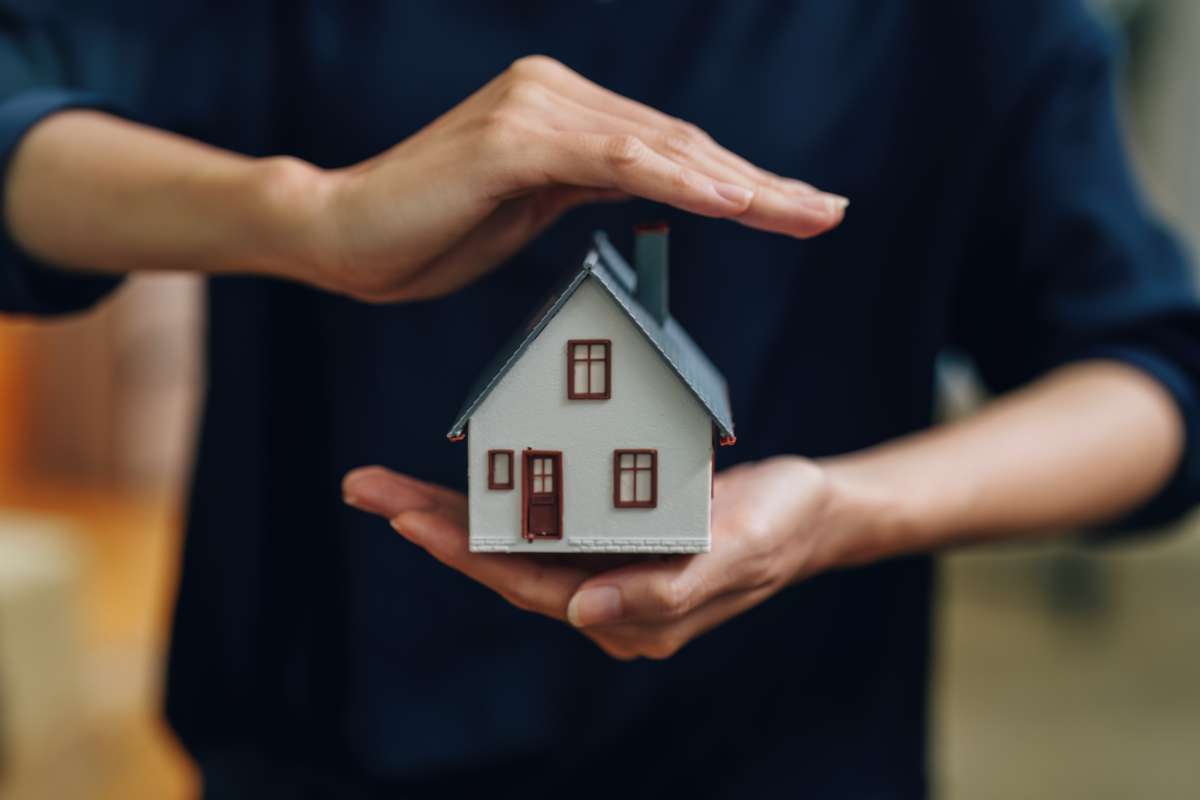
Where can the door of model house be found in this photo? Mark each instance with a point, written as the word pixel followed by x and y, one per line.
pixel 541 492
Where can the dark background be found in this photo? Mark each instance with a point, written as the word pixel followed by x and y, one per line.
pixel 1062 671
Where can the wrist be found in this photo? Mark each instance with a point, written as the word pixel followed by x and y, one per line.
pixel 869 518
pixel 289 231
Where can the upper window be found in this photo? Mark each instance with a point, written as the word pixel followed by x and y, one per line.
pixel 635 478
pixel 500 469
pixel 589 369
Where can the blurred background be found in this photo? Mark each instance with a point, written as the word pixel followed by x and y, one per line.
pixel 1062 671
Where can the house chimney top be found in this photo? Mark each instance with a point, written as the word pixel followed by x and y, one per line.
pixel 650 262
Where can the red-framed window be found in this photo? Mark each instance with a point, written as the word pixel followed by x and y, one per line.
pixel 500 469
pixel 589 369
pixel 635 478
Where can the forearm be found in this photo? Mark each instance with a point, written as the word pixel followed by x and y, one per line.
pixel 90 191
pixel 1080 446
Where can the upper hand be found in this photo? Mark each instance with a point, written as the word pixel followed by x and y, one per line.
pixel 773 522
pixel 451 202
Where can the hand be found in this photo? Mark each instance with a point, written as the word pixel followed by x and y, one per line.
pixel 454 200
pixel 773 522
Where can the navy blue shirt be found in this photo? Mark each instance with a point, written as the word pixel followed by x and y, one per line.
pixel 993 213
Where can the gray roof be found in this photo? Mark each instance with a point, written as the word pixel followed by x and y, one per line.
pixel 604 264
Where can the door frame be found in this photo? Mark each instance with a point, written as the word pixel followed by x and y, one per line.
pixel 526 465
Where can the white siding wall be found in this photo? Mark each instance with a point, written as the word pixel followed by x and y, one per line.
pixel 650 408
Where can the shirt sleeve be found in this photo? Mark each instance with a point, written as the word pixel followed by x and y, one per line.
pixel 1068 261
pixel 32 87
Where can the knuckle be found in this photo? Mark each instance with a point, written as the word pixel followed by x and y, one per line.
pixel 691 133
pixel 625 151
pixel 683 180
pixel 661 648
pixel 522 93
pixel 677 146
pixel 668 598
pixel 534 65
pixel 774 181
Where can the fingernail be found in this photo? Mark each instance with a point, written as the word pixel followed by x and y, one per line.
pixel 821 201
pixel 835 202
pixel 594 606
pixel 732 193
pixel 354 501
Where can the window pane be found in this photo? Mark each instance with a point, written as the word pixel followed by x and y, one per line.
pixel 581 351
pixel 537 484
pixel 626 460
pixel 548 484
pixel 500 467
pixel 598 351
pixel 597 385
pixel 547 466
pixel 581 377
pixel 643 485
pixel 625 487
pixel 643 460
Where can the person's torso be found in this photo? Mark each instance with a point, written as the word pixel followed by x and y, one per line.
pixel 310 630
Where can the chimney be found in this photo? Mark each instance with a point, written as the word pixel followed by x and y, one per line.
pixel 650 262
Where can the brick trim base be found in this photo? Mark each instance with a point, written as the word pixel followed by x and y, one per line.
pixel 490 544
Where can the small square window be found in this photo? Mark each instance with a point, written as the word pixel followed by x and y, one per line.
pixel 500 469
pixel 635 478
pixel 589 369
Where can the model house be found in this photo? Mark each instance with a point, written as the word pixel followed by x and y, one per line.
pixel 593 430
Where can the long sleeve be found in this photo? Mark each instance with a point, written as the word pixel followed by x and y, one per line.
pixel 33 86
pixel 1068 262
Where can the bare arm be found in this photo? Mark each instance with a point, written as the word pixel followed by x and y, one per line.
pixel 89 191
pixel 1081 445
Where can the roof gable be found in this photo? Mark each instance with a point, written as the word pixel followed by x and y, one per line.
pixel 604 265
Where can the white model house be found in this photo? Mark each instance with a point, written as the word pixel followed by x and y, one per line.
pixel 593 430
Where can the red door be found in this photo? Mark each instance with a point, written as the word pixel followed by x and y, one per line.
pixel 542 492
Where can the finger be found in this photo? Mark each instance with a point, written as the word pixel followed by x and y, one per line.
pixel 668 589
pixel 626 641
pixel 524 152
pixel 528 584
pixel 575 86
pixel 504 232
pixel 674 137
pixel 649 591
pixel 378 490
pixel 626 163
pixel 435 518
pixel 773 206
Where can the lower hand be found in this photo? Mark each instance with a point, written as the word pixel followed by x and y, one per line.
pixel 451 202
pixel 773 523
